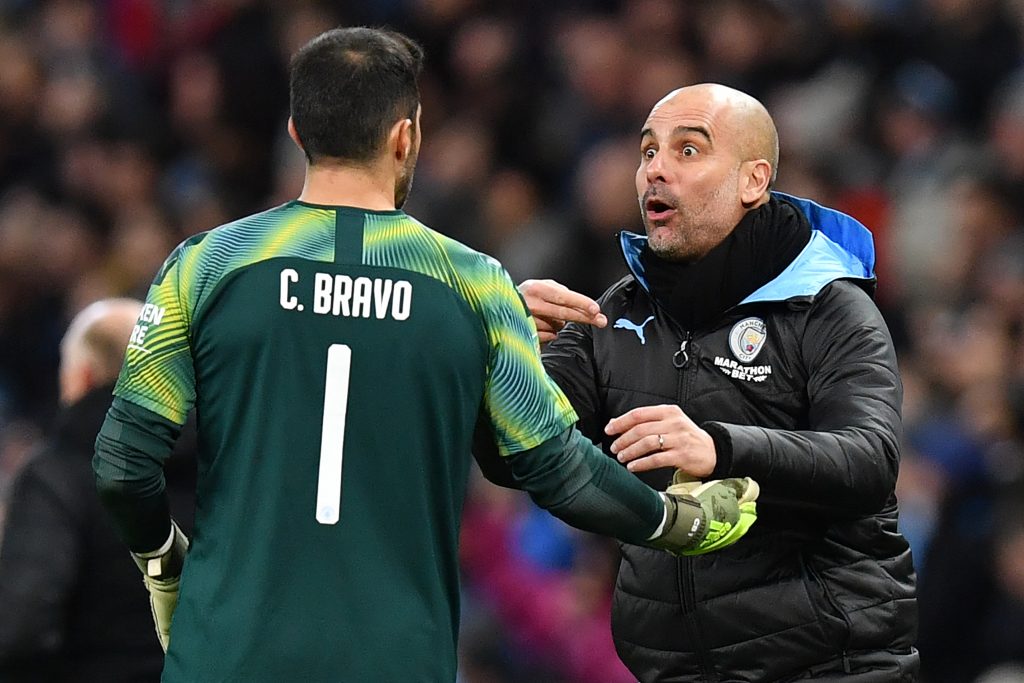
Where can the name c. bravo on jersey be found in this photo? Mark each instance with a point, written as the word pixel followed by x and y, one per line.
pixel 350 297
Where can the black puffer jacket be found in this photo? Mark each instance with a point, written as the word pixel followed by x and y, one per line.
pixel 799 388
pixel 72 603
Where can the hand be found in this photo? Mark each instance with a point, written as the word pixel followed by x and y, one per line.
pixel 161 572
pixel 552 305
pixel 706 517
pixel 682 444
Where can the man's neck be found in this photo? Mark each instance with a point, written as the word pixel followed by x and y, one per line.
pixel 338 185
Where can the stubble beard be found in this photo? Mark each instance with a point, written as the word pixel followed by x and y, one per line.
pixel 403 184
pixel 692 232
pixel 683 238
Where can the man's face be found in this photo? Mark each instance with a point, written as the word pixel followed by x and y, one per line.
pixel 688 182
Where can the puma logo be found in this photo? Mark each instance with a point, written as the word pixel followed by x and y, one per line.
pixel 629 325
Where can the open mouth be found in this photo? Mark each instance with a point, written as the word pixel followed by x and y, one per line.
pixel 658 209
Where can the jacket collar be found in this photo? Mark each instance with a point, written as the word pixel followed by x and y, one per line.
pixel 840 248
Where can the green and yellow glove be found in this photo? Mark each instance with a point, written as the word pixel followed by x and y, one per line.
pixel 161 572
pixel 706 516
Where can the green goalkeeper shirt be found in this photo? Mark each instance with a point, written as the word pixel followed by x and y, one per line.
pixel 338 360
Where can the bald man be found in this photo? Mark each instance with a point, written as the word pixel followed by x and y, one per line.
pixel 72 606
pixel 745 343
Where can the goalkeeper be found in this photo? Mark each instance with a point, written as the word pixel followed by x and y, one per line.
pixel 340 356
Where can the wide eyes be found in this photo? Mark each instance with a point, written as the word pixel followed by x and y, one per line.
pixel 687 150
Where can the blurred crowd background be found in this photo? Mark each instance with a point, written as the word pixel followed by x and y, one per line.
pixel 127 125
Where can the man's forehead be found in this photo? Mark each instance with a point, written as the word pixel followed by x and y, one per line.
pixel 672 119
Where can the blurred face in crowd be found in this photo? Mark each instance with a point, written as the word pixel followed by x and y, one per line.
pixel 707 156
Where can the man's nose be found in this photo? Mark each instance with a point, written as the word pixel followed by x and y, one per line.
pixel 656 169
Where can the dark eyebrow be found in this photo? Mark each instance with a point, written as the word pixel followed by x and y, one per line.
pixel 681 130
pixel 699 130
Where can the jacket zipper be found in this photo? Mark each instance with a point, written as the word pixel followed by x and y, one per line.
pixel 681 358
pixel 687 589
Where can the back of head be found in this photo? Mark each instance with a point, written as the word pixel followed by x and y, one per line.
pixel 93 347
pixel 348 87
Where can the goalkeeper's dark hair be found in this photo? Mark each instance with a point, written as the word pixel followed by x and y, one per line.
pixel 348 87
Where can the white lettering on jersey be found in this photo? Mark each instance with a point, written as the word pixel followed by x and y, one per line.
pixel 288 302
pixel 150 316
pixel 151 313
pixel 322 293
pixel 138 337
pixel 341 295
pixel 401 300
pixel 381 296
pixel 362 288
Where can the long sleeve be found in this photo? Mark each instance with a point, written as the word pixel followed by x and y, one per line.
pixel 573 480
pixel 848 458
pixel 130 452
pixel 569 360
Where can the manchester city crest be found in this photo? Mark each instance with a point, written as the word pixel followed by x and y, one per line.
pixel 746 339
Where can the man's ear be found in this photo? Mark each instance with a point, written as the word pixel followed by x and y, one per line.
pixel 294 134
pixel 401 140
pixel 755 178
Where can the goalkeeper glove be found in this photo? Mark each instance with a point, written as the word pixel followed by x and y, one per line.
pixel 161 572
pixel 707 516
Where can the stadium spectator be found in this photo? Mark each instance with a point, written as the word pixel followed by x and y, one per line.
pixel 745 342
pixel 73 606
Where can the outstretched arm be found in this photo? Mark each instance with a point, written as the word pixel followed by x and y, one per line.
pixel 574 480
pixel 553 306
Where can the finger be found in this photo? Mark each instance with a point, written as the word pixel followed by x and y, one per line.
pixel 635 434
pixel 550 299
pixel 636 416
pixel 546 337
pixel 655 461
pixel 640 448
pixel 552 326
pixel 551 310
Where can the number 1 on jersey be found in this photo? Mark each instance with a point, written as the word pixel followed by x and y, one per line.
pixel 332 436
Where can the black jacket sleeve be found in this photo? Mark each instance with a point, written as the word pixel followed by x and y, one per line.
pixel 847 460
pixel 39 557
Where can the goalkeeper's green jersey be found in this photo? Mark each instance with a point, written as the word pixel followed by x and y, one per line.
pixel 338 360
